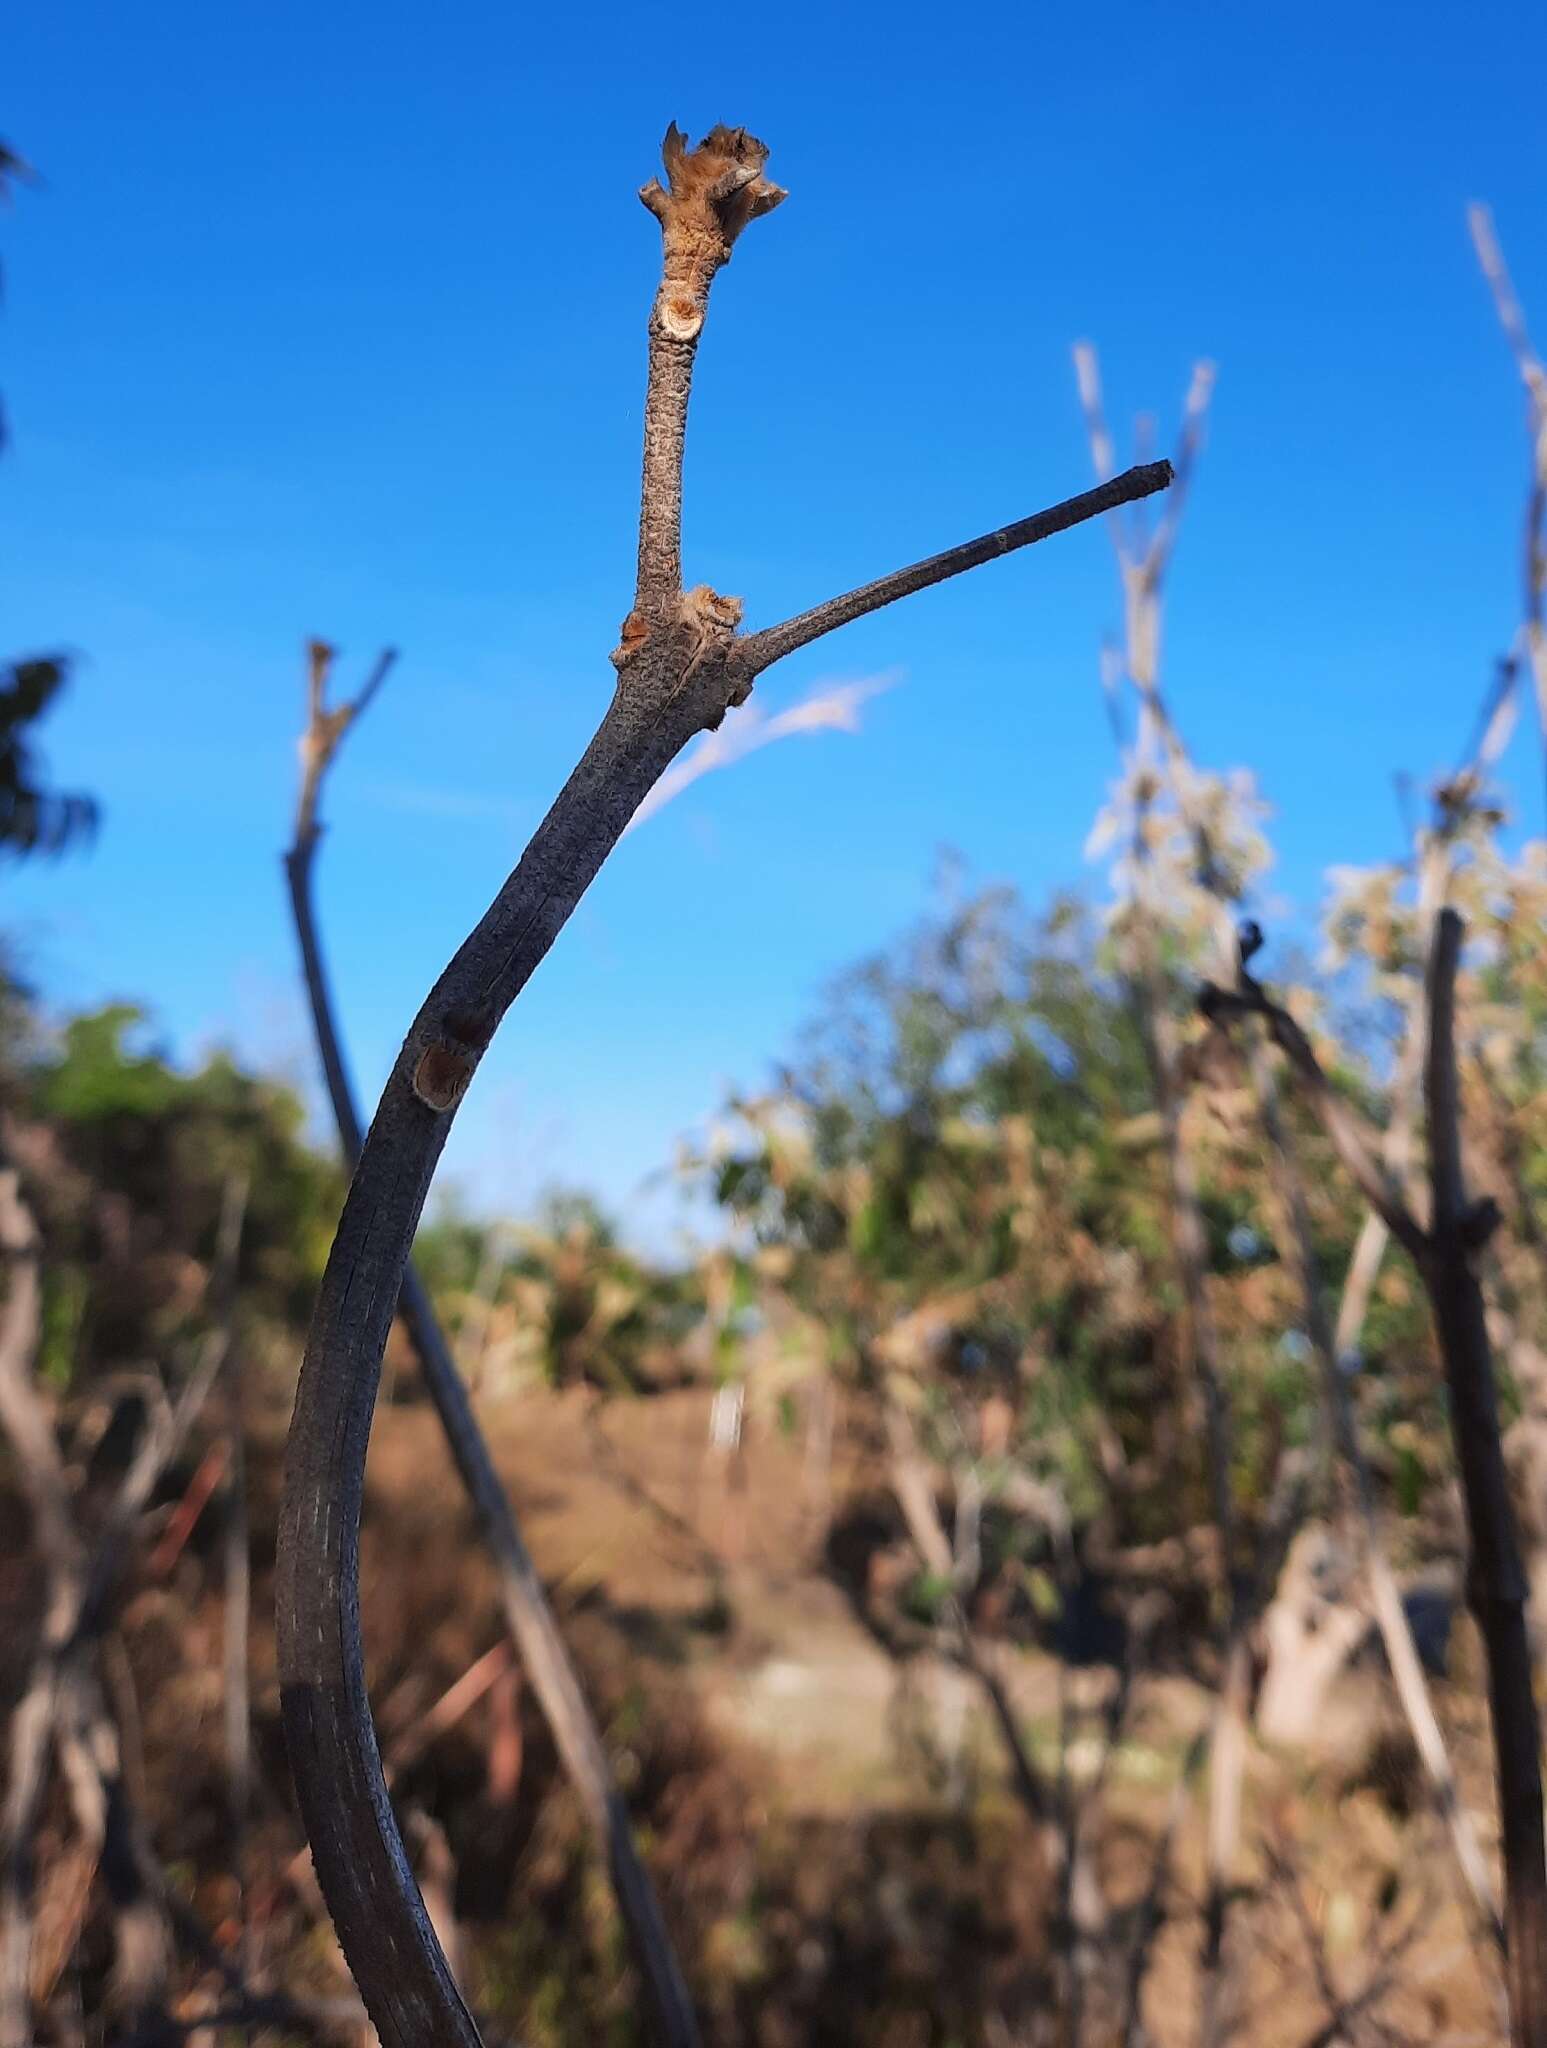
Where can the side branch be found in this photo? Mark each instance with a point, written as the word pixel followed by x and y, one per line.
pixel 1342 1126
pixel 761 650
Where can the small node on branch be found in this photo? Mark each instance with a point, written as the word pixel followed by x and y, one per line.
pixel 634 636
pixel 442 1076
pixel 710 195
pixel 701 627
pixel 1479 1223
pixel 711 620
pixel 448 1063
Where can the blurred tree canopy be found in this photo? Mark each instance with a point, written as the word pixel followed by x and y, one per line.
pixel 958 1196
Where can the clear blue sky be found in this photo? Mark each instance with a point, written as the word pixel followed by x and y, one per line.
pixel 330 319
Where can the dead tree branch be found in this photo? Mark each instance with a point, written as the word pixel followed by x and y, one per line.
pixel 1357 1148
pixel 1142 561
pixel 40 1469
pixel 710 196
pixel 1301 1257
pixel 773 643
pixel 62 1700
pixel 528 1614
pixel 1445 1253
pixel 680 667
pixel 913 1490
pixel 1496 1581
pixel 1533 375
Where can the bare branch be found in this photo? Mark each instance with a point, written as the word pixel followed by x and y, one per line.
pixel 1141 560
pixel 61 1685
pixel 914 1494
pixel 1443 1081
pixel 31 1731
pixel 760 650
pixel 23 1413
pixel 1137 559
pixel 680 668
pixel 528 1614
pixel 1189 447
pixel 325 729
pixel 1534 376
pixel 1103 450
pixel 1355 1147
pixel 27 1423
pixel 373 681
pixel 1390 1614
pixel 711 193
pixel 1496 1583
pixel 1511 315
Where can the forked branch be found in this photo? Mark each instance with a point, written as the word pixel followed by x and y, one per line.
pixel 1355 1145
pixel 680 667
pixel 1445 1254
pixel 325 729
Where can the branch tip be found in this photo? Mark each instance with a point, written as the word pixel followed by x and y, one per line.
pixel 710 194
pixel 761 650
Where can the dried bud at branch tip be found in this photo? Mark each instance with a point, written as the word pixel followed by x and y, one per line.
pixel 709 196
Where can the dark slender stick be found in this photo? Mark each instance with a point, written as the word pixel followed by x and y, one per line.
pixel 773 643
pixel 1497 1588
pixel 1445 1255
pixel 1353 1144
pixel 528 1615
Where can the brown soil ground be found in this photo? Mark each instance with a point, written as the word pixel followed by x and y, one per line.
pixel 837 1844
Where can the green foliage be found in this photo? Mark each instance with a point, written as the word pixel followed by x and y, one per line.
pixel 558 1299
pixel 957 1185
pixel 152 1150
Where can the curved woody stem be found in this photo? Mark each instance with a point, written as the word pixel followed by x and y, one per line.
pixel 528 1614
pixel 680 667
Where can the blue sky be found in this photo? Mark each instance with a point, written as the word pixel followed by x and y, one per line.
pixel 330 319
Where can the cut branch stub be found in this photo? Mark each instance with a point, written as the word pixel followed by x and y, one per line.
pixel 710 195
